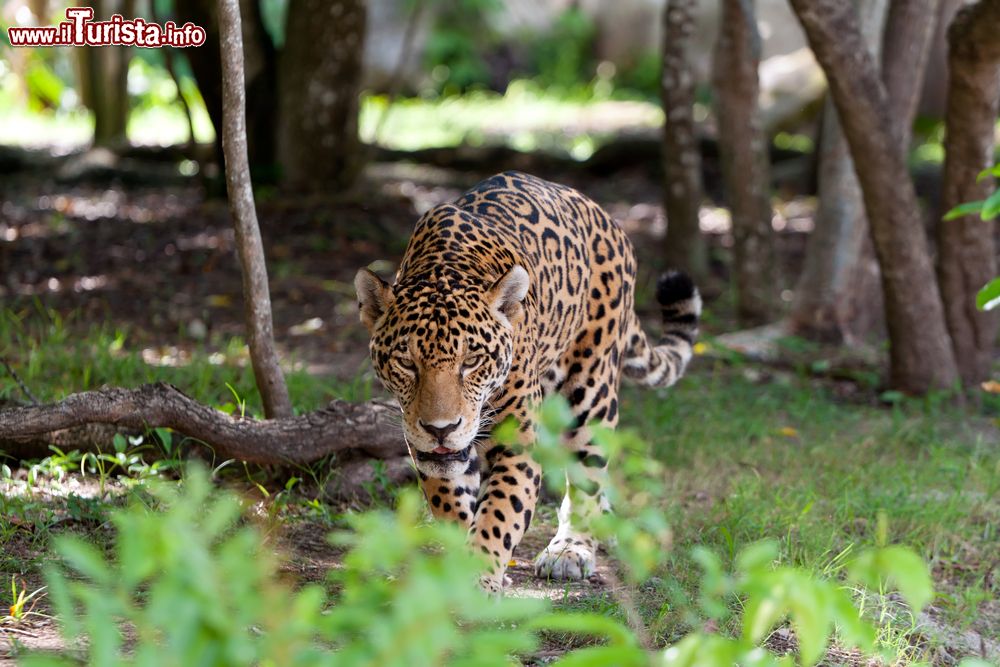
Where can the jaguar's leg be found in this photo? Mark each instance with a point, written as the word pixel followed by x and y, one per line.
pixel 572 553
pixel 506 505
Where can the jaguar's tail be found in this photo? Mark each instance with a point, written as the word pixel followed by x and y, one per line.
pixel 661 365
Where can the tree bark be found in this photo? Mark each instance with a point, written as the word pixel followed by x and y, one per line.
pixel 967 250
pixel 682 189
pixel 103 82
pixel 260 71
pixel 920 351
pixel 256 297
pixel 744 153
pixel 935 90
pixel 909 30
pixel 371 427
pixel 319 75
pixel 838 297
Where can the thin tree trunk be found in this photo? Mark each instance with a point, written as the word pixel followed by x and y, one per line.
pixel 256 297
pixel 838 297
pixel 967 259
pixel 745 167
pixel 260 71
pixel 920 351
pixel 935 90
pixel 319 75
pixel 104 80
pixel 682 188
pixel 168 63
pixel 909 30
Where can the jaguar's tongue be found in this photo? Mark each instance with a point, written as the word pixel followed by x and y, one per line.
pixel 441 450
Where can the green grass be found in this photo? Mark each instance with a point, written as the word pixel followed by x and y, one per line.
pixel 526 118
pixel 55 356
pixel 745 461
pixel 783 460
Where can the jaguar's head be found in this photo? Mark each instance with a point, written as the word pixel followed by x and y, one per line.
pixel 442 345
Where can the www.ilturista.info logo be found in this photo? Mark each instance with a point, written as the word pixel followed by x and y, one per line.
pixel 80 30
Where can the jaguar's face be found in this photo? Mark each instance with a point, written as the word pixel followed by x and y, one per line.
pixel 442 348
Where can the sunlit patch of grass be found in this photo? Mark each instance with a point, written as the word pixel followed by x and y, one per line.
pixel 55 356
pixel 526 117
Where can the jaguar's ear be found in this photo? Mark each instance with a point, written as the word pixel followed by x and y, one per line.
pixel 373 297
pixel 506 295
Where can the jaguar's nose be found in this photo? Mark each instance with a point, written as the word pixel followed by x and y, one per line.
pixel 440 431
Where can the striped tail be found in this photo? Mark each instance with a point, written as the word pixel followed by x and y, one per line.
pixel 663 365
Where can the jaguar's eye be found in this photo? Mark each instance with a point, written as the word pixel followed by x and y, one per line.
pixel 472 362
pixel 406 363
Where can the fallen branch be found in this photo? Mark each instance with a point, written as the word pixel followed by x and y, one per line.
pixel 372 427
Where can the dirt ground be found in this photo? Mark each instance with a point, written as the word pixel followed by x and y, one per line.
pixel 161 260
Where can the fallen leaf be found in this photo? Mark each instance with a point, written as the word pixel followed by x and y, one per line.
pixel 991 386
pixel 220 300
pixel 788 432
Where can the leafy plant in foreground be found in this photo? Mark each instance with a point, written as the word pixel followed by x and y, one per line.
pixel 196 585
pixel 988 297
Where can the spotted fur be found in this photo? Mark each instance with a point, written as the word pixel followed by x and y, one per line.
pixel 519 289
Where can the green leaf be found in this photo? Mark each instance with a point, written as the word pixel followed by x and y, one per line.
pixel 991 207
pixel 601 656
pixel 166 438
pixel 988 297
pixel 989 171
pixel 900 566
pixel 119 442
pixel 962 210
pixel 757 556
pixel 587 624
pixel 810 617
pixel 83 558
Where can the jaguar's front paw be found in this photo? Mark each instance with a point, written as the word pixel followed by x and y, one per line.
pixel 566 558
pixel 492 584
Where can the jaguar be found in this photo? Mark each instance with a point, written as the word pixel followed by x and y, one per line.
pixel 519 289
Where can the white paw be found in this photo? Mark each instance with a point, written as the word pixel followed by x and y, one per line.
pixel 491 584
pixel 566 558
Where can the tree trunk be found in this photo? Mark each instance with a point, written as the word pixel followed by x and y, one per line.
pixel 103 82
pixel 935 89
pixel 256 297
pixel 320 71
pixel 682 189
pixel 372 428
pixel 909 30
pixel 921 357
pixel 744 152
pixel 838 297
pixel 261 71
pixel 967 258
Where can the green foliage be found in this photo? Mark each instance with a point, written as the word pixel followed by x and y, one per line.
pixel 197 586
pixel 988 297
pixel 563 57
pixel 459 43
pixel 408 596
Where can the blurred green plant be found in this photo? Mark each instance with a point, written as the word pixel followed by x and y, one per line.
pixel 459 43
pixel 562 58
pixel 988 297
pixel 198 585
